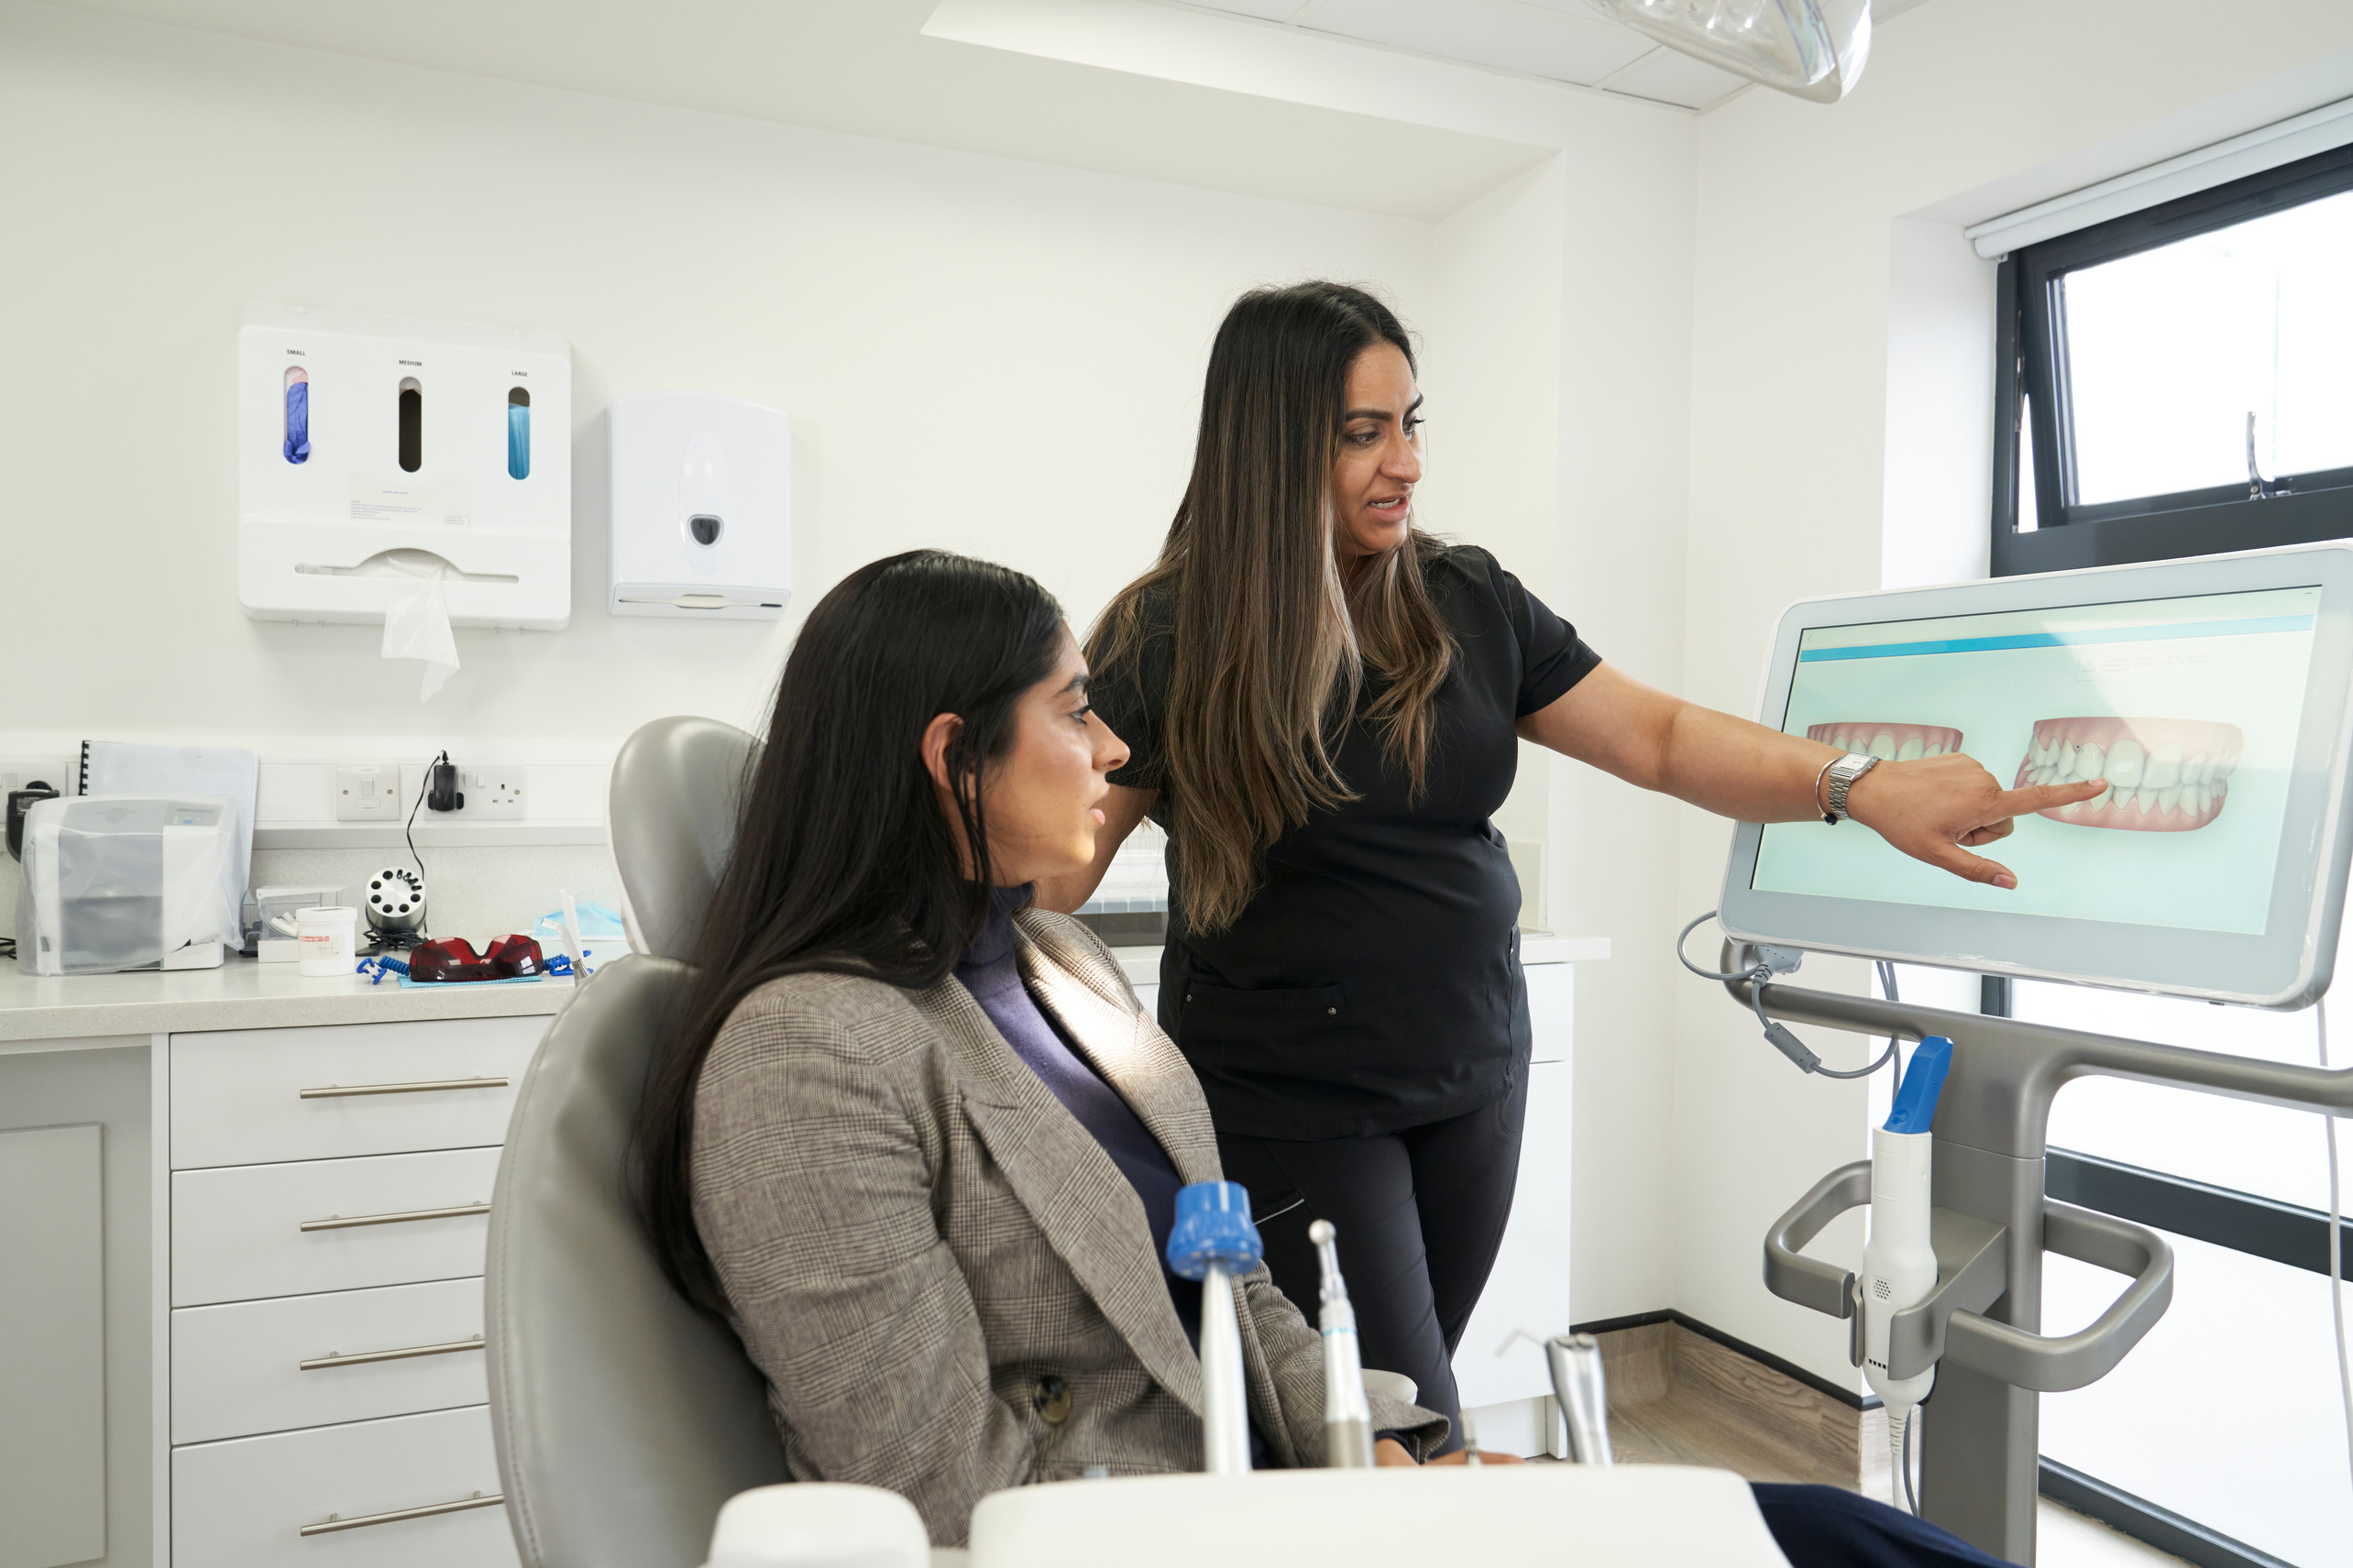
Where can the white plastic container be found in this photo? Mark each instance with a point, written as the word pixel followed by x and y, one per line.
pixel 419 441
pixel 702 508
pixel 329 935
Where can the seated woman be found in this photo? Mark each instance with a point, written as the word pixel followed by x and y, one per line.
pixel 917 1144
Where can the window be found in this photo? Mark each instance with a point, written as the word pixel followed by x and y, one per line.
pixel 2179 381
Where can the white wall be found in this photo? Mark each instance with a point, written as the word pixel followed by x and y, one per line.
pixel 998 357
pixel 1817 466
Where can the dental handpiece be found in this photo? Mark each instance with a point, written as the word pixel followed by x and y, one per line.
pixel 1575 1364
pixel 1348 1417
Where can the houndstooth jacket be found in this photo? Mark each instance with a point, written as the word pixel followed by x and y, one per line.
pixel 950 1286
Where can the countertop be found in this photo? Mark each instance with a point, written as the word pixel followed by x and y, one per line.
pixel 1142 965
pixel 241 994
pixel 244 994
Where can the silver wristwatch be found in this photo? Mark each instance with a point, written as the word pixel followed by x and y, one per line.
pixel 1841 776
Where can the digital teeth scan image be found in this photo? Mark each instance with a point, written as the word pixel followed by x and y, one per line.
pixel 1888 742
pixel 2181 707
pixel 2164 775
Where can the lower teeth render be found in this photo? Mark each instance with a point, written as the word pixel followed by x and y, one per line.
pixel 2149 781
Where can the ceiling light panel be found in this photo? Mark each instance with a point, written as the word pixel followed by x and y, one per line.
pixel 1667 77
pixel 1505 34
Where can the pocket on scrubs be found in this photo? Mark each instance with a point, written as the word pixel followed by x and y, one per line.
pixel 1262 1042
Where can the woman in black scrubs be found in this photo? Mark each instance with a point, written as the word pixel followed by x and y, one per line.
pixel 1324 707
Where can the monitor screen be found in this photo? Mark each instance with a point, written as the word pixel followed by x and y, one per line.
pixel 2188 709
pixel 2210 697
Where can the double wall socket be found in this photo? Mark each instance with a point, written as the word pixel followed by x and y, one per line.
pixel 494 792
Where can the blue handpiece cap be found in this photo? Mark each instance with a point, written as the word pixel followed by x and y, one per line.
pixel 1915 1108
pixel 1213 1226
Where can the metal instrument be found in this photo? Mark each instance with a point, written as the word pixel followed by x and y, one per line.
pixel 1576 1363
pixel 1348 1417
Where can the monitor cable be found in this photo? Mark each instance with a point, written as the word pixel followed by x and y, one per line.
pixel 1778 1037
pixel 2336 1242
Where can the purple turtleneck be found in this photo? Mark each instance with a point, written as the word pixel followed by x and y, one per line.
pixel 990 970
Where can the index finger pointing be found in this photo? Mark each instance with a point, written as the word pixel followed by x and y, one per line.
pixel 2043 797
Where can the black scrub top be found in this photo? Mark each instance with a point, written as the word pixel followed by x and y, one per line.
pixel 1373 982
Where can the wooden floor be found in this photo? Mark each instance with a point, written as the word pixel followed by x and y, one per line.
pixel 1679 1398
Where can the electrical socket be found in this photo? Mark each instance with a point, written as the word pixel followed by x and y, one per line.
pixel 493 793
pixel 367 791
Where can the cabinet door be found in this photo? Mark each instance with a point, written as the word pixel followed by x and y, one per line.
pixel 309 1361
pixel 257 1096
pixel 239 1232
pixel 1529 1286
pixel 245 1503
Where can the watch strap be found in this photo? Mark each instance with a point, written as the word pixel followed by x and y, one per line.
pixel 1843 774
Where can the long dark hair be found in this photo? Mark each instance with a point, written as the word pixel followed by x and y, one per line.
pixel 843 860
pixel 1267 643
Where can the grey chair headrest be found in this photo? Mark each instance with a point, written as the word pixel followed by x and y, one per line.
pixel 623 1418
pixel 675 789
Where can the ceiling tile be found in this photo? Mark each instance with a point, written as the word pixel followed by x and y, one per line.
pixel 1667 77
pixel 1264 10
pixel 1505 34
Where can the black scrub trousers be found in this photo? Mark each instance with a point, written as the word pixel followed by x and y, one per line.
pixel 1361 1030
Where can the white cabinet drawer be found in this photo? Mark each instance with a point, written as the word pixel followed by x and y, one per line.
pixel 241 1368
pixel 254 1096
pixel 245 1503
pixel 237 1232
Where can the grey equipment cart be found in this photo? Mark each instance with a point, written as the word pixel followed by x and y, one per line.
pixel 1980 1446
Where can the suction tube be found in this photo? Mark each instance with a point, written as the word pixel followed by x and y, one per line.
pixel 1898 1261
pixel 1214 1242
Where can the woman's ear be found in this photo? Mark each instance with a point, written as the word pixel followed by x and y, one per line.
pixel 943 728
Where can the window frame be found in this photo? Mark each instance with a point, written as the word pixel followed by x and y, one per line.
pixel 2030 374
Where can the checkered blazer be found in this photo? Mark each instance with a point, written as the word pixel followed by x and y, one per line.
pixel 951 1287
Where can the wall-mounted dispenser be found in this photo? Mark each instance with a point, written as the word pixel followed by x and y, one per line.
pixel 702 507
pixel 371 448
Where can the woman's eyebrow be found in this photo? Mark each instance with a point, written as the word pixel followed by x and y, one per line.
pixel 1379 413
pixel 1079 682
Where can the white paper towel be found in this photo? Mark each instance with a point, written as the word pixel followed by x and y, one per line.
pixel 416 621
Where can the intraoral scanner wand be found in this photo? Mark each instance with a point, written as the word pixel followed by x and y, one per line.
pixel 1898 1261
pixel 1348 1419
pixel 1576 1363
pixel 1213 1242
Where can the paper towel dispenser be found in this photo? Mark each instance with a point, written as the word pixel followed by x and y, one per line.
pixel 702 507
pixel 373 450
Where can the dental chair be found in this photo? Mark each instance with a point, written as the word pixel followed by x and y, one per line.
pixel 632 1433
pixel 624 1419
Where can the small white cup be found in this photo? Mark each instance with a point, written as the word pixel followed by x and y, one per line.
pixel 328 935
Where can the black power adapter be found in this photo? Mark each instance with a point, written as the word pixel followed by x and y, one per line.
pixel 441 786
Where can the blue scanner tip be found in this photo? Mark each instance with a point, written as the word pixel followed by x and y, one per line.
pixel 1915 1109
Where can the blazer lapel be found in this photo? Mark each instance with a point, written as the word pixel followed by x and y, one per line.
pixel 1082 1204
pixel 1092 1000
pixel 1096 1007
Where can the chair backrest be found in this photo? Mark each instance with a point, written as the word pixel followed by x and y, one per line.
pixel 622 1418
pixel 672 807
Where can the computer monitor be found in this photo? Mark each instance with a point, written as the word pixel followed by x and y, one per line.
pixel 2211 694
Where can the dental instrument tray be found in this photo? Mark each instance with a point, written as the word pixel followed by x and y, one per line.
pixel 2210 697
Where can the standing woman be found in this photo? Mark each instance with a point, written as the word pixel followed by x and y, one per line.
pixel 1324 707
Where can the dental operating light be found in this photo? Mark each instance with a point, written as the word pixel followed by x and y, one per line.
pixel 1807 49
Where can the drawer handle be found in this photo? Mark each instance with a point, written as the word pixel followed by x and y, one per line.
pixel 337 1222
pixel 360 1358
pixel 333 1522
pixel 338 1091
